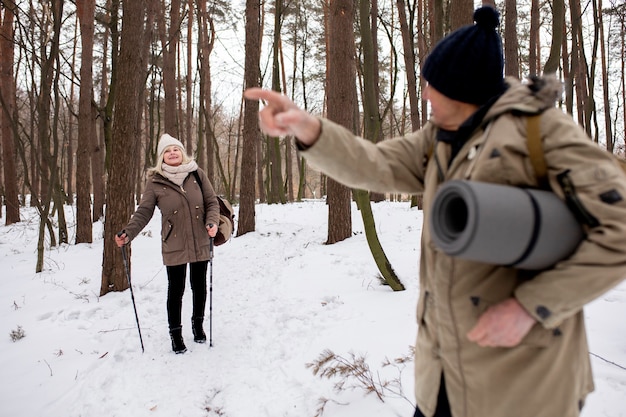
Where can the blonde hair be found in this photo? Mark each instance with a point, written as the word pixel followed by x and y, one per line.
pixel 158 167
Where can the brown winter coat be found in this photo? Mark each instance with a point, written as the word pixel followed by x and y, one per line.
pixel 185 213
pixel 549 373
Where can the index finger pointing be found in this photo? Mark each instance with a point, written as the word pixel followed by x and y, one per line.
pixel 256 93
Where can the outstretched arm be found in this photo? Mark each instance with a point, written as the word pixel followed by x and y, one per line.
pixel 281 116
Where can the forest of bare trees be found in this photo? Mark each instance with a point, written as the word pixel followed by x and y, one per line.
pixel 88 86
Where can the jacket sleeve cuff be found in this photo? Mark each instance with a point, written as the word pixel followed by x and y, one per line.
pixel 302 147
pixel 541 311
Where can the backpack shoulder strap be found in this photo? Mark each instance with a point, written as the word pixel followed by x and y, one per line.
pixel 198 180
pixel 226 209
pixel 535 149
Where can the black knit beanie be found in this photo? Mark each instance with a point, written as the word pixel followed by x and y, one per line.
pixel 467 65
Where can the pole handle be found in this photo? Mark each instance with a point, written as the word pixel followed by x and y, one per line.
pixel 211 238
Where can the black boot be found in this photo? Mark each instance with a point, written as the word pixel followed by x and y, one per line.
pixel 178 345
pixel 198 332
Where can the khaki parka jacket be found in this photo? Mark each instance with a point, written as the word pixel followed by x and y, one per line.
pixel 186 211
pixel 549 373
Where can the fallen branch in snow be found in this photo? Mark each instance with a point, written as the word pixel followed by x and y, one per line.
pixel 322 405
pixel 354 372
pixel 49 367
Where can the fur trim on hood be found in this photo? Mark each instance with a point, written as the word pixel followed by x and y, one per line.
pixel 548 89
pixel 531 96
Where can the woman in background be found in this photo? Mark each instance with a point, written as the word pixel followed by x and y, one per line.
pixel 190 218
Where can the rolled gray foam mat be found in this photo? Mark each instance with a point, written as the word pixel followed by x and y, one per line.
pixel 503 225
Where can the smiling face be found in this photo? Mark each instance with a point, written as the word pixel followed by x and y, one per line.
pixel 447 113
pixel 173 156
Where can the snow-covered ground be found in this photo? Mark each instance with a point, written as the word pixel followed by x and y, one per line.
pixel 280 299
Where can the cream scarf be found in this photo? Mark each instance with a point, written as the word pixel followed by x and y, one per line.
pixel 178 173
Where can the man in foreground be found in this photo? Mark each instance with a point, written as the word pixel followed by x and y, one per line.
pixel 492 340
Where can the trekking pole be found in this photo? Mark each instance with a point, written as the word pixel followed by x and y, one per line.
pixel 211 291
pixel 132 296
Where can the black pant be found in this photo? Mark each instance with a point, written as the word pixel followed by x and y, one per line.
pixel 443 406
pixel 176 276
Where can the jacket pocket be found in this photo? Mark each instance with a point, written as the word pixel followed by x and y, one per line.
pixel 538 336
pixel 172 233
pixel 166 231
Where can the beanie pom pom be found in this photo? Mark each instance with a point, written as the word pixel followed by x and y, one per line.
pixel 486 17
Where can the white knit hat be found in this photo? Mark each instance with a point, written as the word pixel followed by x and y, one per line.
pixel 167 140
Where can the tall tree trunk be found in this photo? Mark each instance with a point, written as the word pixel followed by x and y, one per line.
pixel 579 64
pixel 341 92
pixel 622 54
pixel 288 144
pixel 582 92
pixel 436 21
pixel 511 45
pixel 589 74
pixel 57 180
pixel 302 16
pixel 169 43
pixel 34 165
pixel 534 50
pixel 372 130
pixel 124 142
pixel 188 79
pixel 97 167
pixel 206 32
pixel 408 47
pixel 86 122
pixel 98 135
pixel 424 11
pixel 260 179
pixel 424 20
pixel 608 123
pixel 461 13
pixel 276 192
pixel 289 184
pixel 8 115
pixel 558 22
pixel 68 141
pixel 44 105
pixel 235 135
pixel 567 75
pixel 252 77
pixel 114 17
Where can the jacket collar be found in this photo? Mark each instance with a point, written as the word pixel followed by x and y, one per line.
pixel 456 139
pixel 531 96
pixel 160 179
